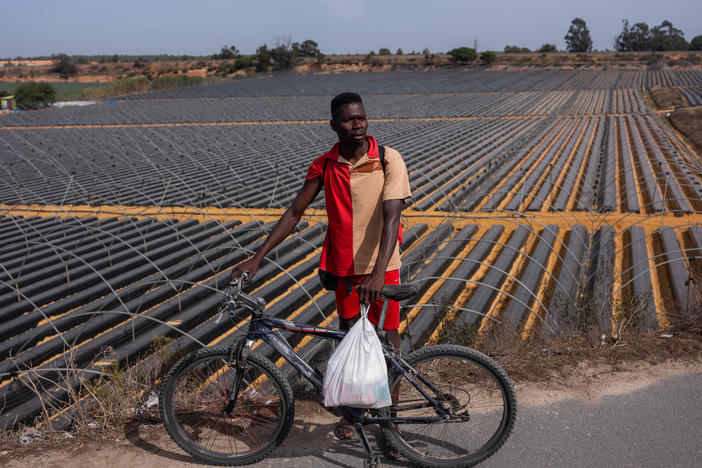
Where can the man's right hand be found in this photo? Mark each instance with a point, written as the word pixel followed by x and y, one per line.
pixel 250 266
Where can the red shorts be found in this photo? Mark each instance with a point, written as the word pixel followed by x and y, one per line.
pixel 348 306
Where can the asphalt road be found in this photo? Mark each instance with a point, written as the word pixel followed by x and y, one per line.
pixel 657 426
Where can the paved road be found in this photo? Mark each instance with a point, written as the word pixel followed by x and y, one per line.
pixel 657 426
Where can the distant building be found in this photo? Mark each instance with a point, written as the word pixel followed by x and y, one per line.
pixel 7 103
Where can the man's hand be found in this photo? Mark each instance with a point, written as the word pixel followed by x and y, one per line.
pixel 369 289
pixel 250 266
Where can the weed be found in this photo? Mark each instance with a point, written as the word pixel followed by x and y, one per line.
pixel 96 397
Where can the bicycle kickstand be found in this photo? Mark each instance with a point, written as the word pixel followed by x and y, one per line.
pixel 372 459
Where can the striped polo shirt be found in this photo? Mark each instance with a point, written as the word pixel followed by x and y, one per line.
pixel 354 194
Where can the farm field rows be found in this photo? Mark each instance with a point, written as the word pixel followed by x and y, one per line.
pixel 543 201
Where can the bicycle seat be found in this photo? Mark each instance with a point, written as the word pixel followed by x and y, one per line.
pixel 398 292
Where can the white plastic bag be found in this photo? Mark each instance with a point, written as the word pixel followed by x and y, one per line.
pixel 356 373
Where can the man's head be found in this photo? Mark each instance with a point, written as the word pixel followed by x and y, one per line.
pixel 349 118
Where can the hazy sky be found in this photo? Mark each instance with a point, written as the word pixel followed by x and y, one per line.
pixel 44 27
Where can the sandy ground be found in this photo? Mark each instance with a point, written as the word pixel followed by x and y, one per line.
pixel 148 445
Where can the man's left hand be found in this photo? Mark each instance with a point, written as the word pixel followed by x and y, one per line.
pixel 370 287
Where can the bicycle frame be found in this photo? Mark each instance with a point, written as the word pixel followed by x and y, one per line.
pixel 262 326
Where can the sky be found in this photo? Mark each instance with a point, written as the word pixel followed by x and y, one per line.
pixel 44 27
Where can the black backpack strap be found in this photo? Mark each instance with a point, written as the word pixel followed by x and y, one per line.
pixel 381 153
pixel 324 172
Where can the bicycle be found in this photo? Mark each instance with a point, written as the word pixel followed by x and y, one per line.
pixel 233 406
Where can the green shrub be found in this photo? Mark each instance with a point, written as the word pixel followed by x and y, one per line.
pixel 696 43
pixel 63 65
pixel 33 95
pixel 225 68
pixel 384 51
pixel 243 62
pixel 263 58
pixel 463 54
pixel 284 57
pixel 488 56
pixel 547 48
pixel 513 49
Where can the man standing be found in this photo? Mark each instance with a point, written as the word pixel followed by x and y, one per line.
pixel 364 197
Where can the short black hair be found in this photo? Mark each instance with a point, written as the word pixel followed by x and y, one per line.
pixel 344 98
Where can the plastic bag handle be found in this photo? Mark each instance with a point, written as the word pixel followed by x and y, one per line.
pixel 383 313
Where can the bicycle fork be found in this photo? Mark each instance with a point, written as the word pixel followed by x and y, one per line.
pixel 239 355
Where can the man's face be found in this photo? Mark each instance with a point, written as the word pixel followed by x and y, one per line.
pixel 350 123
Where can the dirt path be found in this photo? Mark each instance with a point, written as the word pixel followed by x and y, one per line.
pixel 147 445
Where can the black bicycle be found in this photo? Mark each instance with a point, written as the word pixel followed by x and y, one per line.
pixel 232 406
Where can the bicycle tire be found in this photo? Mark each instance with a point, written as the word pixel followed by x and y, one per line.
pixel 196 391
pixel 479 391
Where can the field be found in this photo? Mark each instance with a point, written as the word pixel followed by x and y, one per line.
pixel 546 202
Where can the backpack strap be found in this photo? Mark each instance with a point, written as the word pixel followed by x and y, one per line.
pixel 324 172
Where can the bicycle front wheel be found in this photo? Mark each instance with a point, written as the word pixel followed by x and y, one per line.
pixel 195 394
pixel 476 391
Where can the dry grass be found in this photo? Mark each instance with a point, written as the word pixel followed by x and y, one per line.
pixel 630 340
pixel 667 98
pixel 94 405
pixel 689 123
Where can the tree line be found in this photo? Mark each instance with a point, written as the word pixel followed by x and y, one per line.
pixel 637 37
pixel 632 38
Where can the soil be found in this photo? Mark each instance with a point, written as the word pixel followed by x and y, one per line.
pixel 688 121
pixel 145 443
pixel 668 98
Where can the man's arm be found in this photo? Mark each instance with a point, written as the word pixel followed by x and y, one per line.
pixel 369 290
pixel 283 227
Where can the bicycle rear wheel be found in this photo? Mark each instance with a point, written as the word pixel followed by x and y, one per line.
pixel 195 394
pixel 477 391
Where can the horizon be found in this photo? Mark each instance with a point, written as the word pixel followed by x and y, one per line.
pixel 80 27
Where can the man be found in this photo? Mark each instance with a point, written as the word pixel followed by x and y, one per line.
pixel 363 203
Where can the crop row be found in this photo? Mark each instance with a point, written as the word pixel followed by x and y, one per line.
pixel 693 94
pixel 624 163
pixel 435 82
pixel 282 109
pixel 73 287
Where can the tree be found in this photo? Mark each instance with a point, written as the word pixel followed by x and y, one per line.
pixel 308 48
pixel 696 43
pixel 633 38
pixel 463 54
pixel 667 37
pixel 547 48
pixel 488 56
pixel 578 37
pixel 639 37
pixel 426 52
pixel 33 95
pixel 63 65
pixel 243 61
pixel 263 58
pixel 283 56
pixel 513 49
pixel 384 51
pixel 230 52
pixel 399 52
